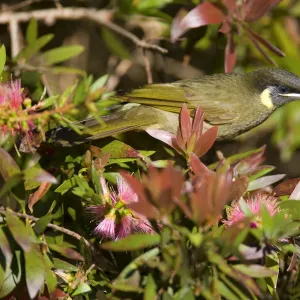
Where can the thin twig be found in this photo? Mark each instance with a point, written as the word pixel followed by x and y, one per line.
pixel 14 37
pixel 100 17
pixel 17 6
pixel 50 225
pixel 147 68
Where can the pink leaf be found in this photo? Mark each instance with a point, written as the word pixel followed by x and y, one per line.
pixel 162 135
pixel 198 122
pixel 185 124
pixel 203 14
pixel 255 9
pixel 198 167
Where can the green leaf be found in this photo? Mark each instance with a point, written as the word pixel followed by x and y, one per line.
pixel 66 185
pixel 35 271
pixel 49 101
pixel 292 207
pixel 132 242
pixel 67 252
pixel 146 5
pixel 150 289
pixel 32 31
pixel 118 149
pixel 8 166
pixel 10 277
pixel 2 58
pixel 81 289
pixel 60 54
pixel 63 265
pixel 41 224
pixel 114 44
pixel 254 271
pixel 5 248
pixel 19 231
pixel 99 83
pixel 51 280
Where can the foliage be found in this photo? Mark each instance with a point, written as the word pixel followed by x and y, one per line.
pixel 139 217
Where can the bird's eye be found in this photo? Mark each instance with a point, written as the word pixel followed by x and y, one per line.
pixel 283 89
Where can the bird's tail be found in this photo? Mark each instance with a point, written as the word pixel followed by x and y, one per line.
pixel 136 118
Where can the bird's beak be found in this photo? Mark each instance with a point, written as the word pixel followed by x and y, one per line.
pixel 292 95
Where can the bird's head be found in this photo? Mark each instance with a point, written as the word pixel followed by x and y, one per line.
pixel 276 86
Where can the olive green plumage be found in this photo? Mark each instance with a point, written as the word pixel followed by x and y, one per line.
pixel 234 102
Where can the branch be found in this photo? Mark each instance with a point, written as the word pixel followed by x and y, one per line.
pixel 53 226
pixel 100 17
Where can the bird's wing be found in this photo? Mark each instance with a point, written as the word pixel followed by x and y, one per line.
pixel 170 97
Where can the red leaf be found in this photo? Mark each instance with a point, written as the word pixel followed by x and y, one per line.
pixel 162 135
pixel 198 122
pixel 185 124
pixel 38 195
pixel 202 15
pixel 142 206
pixel 259 48
pixel 255 9
pixel 198 167
pixel 266 43
pixel 205 142
pixel 230 4
pixel 286 187
pixel 230 54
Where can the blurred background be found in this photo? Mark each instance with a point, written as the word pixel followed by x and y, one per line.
pixel 195 39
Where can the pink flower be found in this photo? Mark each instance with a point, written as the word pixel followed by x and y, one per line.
pixel 126 226
pixel 116 219
pixel 106 228
pixel 11 95
pixel 254 204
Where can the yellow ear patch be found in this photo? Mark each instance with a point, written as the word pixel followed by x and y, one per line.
pixel 266 99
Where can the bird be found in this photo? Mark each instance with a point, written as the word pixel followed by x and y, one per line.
pixel 235 102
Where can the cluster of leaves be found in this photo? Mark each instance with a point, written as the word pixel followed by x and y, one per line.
pixel 190 252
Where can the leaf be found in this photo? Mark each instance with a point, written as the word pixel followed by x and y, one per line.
pixel 41 224
pixel 292 207
pixel 8 166
pixel 67 252
pixel 39 175
pixel 38 195
pixel 162 135
pixel 10 277
pixel 132 242
pixel 203 14
pixel 66 185
pixel 296 192
pixel 150 289
pixel 35 271
pixel 99 83
pixel 114 44
pixel 266 43
pixel 175 27
pixel 2 58
pixel 118 149
pixel 237 157
pixel 255 9
pixel 254 271
pixel 81 289
pixel 5 248
pixel 264 181
pixel 63 265
pixel 60 54
pixel 31 31
pixel 286 187
pixel 19 231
